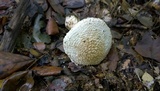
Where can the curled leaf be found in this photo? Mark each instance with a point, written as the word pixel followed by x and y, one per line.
pixel 39 45
pixel 37 34
pixel 47 70
pixel 14 81
pixel 149 47
pixel 52 27
pixel 10 63
pixel 35 53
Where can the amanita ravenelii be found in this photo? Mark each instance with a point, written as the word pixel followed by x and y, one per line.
pixel 88 42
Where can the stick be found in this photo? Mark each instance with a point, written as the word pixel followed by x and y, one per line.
pixel 15 24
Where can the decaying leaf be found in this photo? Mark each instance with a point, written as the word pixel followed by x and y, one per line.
pixel 27 86
pixel 126 64
pixel 147 77
pixel 47 70
pixel 39 46
pixel 10 63
pixel 156 70
pixel 74 3
pixel 57 85
pixel 155 4
pixel 149 47
pixel 73 67
pixel 113 58
pixel 37 34
pixel 55 4
pixel 147 80
pixel 52 27
pixel 14 81
pixel 1 82
pixel 24 40
pixel 145 19
pixel 138 72
pixel 35 52
pixel 125 6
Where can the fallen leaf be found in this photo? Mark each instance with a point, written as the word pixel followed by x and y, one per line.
pixel 43 4
pixel 57 85
pixel 4 4
pixel 39 46
pixel 14 81
pixel 24 40
pixel 147 77
pixel 27 86
pixel 145 19
pixel 125 5
pixel 52 27
pixel 138 72
pixel 149 47
pixel 126 47
pixel 35 52
pixel 73 67
pixel 126 64
pixel 104 66
pixel 59 18
pixel 37 34
pixel 55 4
pixel 59 45
pixel 97 83
pixel 113 58
pixel 116 35
pixel 4 20
pixel 48 13
pixel 73 3
pixel 10 63
pixel 156 70
pixel 47 70
pixel 147 80
pixel 155 4
pixel 1 82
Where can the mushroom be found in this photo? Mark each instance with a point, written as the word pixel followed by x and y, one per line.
pixel 70 21
pixel 88 42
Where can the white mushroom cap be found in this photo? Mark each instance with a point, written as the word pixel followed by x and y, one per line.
pixel 88 42
pixel 70 21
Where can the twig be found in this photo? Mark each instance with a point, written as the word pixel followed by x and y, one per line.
pixel 15 24
pixel 132 26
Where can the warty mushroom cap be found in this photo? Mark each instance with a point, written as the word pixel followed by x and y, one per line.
pixel 88 42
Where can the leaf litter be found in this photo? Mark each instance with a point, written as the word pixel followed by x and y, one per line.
pixel 132 63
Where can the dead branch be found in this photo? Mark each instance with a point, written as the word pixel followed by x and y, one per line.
pixel 15 24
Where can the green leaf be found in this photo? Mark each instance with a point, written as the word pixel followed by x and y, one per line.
pixel 37 34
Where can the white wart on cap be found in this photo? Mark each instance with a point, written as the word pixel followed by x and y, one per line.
pixel 88 42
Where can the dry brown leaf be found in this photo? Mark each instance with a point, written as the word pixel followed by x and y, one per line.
pixel 113 58
pixel 48 13
pixel 14 81
pixel 47 70
pixel 149 47
pixel 10 63
pixel 39 46
pixel 27 86
pixel 55 4
pixel 52 27
pixel 73 3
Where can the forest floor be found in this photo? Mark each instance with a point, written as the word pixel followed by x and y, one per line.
pixel 32 57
